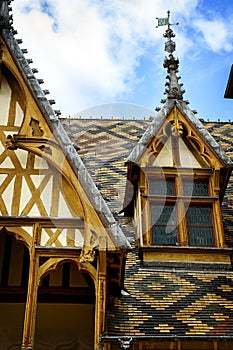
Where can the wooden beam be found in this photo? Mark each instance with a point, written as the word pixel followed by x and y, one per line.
pixel 52 222
pixel 100 306
pixel 31 303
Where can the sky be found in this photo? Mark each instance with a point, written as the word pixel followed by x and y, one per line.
pixel 104 58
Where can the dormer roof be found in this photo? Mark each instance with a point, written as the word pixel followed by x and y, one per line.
pixel 156 123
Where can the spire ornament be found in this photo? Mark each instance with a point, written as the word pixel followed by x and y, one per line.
pixel 173 88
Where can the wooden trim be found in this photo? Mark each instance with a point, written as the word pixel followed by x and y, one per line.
pixel 166 171
pixel 101 293
pixel 31 303
pixel 180 200
pixel 43 221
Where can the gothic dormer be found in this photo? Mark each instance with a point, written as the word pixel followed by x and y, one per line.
pixel 179 174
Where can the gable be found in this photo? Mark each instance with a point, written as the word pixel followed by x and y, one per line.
pixel 42 175
pixel 165 157
pixel 201 138
pixel 176 143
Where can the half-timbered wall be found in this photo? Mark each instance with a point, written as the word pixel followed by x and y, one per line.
pixel 46 220
pixel 29 185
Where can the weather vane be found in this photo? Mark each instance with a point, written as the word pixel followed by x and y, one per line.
pixel 165 21
pixel 170 45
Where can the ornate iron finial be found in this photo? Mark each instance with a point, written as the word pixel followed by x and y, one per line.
pixel 173 88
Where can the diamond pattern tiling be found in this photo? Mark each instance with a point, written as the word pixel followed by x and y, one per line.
pixel 106 143
pixel 175 302
pixel 159 302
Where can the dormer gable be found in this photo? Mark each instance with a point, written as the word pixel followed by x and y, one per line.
pixel 179 173
pixel 177 143
pixel 179 180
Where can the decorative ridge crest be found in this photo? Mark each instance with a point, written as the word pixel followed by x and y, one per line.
pixel 173 88
pixel 6 20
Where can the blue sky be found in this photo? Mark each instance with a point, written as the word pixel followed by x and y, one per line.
pixel 103 52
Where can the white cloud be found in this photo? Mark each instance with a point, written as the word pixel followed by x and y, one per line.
pixel 88 52
pixel 216 34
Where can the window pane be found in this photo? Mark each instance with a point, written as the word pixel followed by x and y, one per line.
pixel 162 187
pixel 196 188
pixel 164 230
pixel 200 227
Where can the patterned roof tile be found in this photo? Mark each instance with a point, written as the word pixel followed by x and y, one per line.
pixel 158 303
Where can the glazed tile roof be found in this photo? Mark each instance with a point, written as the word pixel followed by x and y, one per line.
pixel 106 144
pixel 104 147
pixel 173 303
pixel 158 302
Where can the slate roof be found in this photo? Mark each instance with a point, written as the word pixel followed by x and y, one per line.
pixel 161 302
pixel 105 145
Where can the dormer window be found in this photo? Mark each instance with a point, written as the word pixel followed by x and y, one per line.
pixel 179 175
pixel 181 207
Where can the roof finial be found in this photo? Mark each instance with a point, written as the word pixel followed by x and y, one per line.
pixel 173 88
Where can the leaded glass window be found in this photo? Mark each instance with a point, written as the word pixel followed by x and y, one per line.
pixel 181 209
pixel 162 187
pixel 164 229
pixel 196 188
pixel 200 226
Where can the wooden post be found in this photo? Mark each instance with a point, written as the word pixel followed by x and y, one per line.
pixel 178 345
pixel 31 303
pixel 100 303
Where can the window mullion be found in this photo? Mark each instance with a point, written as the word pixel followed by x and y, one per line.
pixel 182 224
pixel 217 213
pixel 217 220
pixel 146 220
pixel 181 218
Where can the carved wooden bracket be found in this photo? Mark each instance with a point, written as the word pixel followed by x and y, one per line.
pixel 177 126
pixel 36 129
pixel 14 142
pixel 87 254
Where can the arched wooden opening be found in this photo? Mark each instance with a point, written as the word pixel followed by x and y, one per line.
pixel 14 269
pixel 65 310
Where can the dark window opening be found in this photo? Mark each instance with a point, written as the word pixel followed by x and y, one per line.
pixel 200 226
